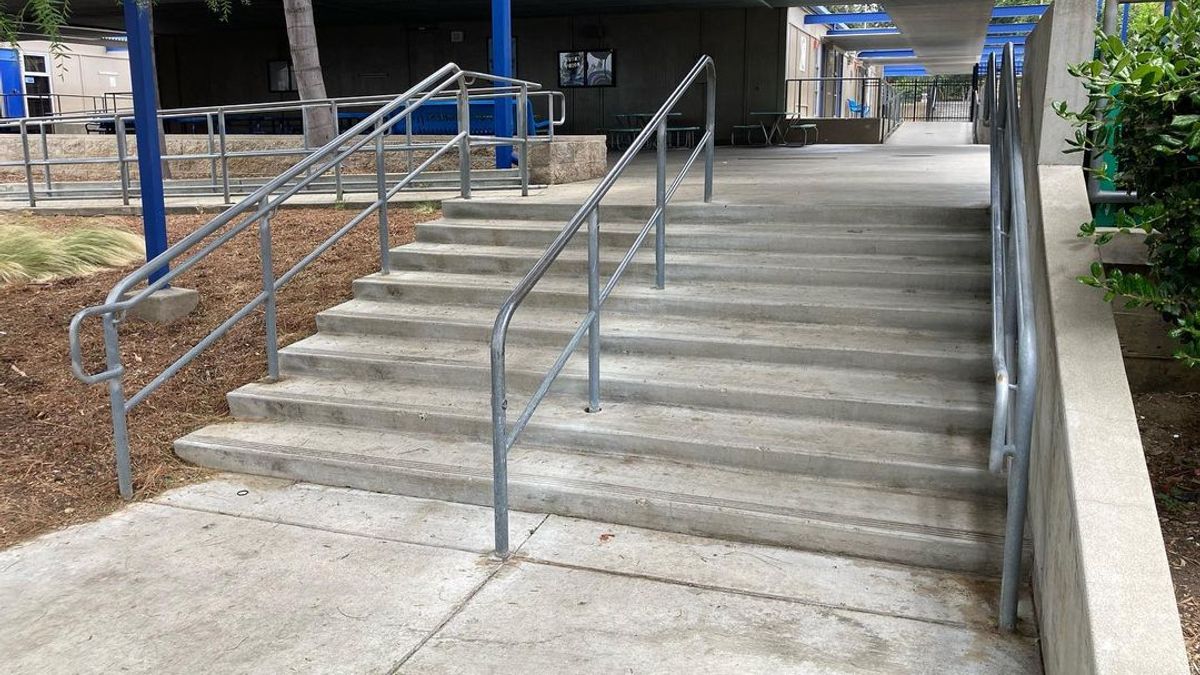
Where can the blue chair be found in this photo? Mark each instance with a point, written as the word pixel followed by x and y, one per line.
pixel 857 108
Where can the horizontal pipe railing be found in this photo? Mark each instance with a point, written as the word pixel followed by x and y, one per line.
pixel 1014 328
pixel 502 437
pixel 257 208
pixel 216 121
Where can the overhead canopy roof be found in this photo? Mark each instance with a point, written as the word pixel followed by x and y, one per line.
pixel 942 36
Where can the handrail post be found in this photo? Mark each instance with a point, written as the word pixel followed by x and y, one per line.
pixel 116 404
pixel 499 451
pixel 46 158
pixel 385 264
pixel 660 202
pixel 710 122
pixel 593 264
pixel 268 279
pixel 408 135
pixel 523 134
pixel 24 127
pixel 212 160
pixel 122 157
pixel 224 154
pixel 464 130
pixel 337 168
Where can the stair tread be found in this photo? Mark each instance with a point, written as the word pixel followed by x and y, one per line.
pixel 759 294
pixel 730 376
pixel 616 323
pixel 789 496
pixel 751 432
pixel 805 229
pixel 736 258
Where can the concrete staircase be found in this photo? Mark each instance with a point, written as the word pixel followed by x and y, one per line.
pixel 817 380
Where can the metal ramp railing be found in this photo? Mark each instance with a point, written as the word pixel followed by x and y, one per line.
pixel 214 128
pixel 502 438
pixel 257 208
pixel 1014 327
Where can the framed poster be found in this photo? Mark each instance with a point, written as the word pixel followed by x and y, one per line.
pixel 586 68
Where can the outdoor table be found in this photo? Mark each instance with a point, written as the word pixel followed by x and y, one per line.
pixel 775 125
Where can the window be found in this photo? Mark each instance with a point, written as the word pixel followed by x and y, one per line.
pixel 280 77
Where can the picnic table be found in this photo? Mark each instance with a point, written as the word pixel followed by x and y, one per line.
pixel 774 124
pixel 629 125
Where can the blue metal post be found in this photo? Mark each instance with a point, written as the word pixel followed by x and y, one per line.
pixel 1168 6
pixel 1125 24
pixel 145 115
pixel 502 64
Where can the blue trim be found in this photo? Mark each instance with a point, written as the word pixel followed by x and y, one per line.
pixel 502 65
pixel 145 115
pixel 886 54
pixel 1002 40
pixel 848 17
pixel 862 31
pixel 1019 10
pixel 1011 28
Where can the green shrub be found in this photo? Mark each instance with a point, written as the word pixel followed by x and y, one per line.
pixel 1151 126
pixel 29 254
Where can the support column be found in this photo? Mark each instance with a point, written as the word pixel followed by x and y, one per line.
pixel 502 64
pixel 145 113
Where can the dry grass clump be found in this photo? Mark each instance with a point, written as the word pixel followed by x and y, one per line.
pixel 30 254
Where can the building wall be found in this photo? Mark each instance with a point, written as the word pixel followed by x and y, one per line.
pixel 83 73
pixel 653 51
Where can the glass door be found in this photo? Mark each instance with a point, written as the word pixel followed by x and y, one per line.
pixel 39 100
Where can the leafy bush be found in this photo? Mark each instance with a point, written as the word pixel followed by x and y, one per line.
pixel 29 254
pixel 1151 126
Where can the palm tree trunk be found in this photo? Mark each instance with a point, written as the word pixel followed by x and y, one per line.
pixel 319 125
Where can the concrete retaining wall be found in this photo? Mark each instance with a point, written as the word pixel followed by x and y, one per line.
pixel 1102 587
pixel 847 130
pixel 572 158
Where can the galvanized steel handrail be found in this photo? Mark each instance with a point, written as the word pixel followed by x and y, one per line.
pixel 1014 328
pixel 257 208
pixel 218 153
pixel 502 438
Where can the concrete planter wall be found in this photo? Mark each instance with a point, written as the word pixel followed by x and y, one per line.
pixel 568 159
pixel 1102 587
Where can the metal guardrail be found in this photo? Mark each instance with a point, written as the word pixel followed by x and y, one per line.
pixel 878 98
pixel 502 438
pixel 257 209
pixel 215 123
pixel 1014 328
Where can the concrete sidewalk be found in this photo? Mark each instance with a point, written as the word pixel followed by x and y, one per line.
pixel 251 575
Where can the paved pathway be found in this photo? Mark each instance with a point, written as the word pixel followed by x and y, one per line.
pixel 252 575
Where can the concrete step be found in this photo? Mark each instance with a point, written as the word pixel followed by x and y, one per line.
pixel 875 307
pixel 756 506
pixel 908 401
pixel 792 444
pixel 882 349
pixel 947 218
pixel 886 271
pixel 928 241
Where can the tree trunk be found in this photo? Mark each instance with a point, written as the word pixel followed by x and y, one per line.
pixel 319 125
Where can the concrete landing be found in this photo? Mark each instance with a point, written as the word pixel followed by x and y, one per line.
pixel 255 575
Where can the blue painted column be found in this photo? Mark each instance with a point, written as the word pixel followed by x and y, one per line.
pixel 145 115
pixel 502 64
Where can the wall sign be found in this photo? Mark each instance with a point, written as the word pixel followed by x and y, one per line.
pixel 587 68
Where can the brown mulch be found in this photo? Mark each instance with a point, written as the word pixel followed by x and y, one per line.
pixel 1170 425
pixel 56 449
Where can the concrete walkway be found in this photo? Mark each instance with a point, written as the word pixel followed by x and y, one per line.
pixel 255 575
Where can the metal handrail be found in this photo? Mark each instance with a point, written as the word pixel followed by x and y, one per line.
pixel 1014 328
pixel 257 208
pixel 502 438
pixel 218 153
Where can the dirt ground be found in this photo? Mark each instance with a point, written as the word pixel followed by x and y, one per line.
pixel 56 452
pixel 1170 425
